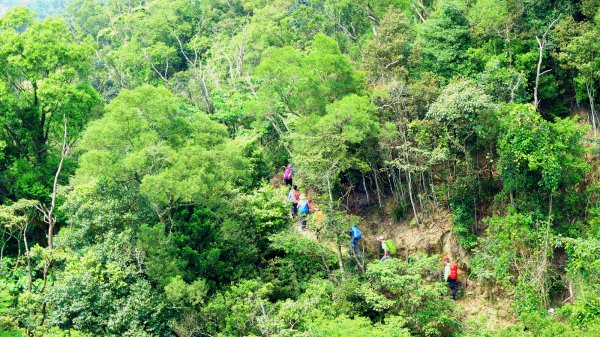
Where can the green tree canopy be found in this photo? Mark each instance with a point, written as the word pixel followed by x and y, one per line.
pixel 444 40
pixel 173 154
pixel 43 84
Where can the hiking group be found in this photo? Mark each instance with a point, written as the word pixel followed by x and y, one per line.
pixel 300 206
pixel 389 250
pixel 299 202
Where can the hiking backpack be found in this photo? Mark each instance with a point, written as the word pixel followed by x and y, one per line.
pixel 453 271
pixel 356 233
pixel 287 173
pixel 303 207
pixel 293 196
pixel 391 246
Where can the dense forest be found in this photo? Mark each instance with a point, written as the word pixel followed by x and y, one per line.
pixel 143 145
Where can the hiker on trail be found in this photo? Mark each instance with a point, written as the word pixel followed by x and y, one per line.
pixel 450 275
pixel 294 197
pixel 304 209
pixel 388 247
pixel 356 236
pixel 288 173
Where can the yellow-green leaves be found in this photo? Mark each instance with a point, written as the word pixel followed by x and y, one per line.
pixel 175 155
pixel 324 146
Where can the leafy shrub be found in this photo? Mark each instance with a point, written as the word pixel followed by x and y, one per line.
pixel 462 203
pixel 360 327
pixel 302 260
pixel 397 287
pixel 399 211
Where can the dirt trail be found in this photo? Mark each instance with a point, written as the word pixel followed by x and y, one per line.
pixel 480 313
pixel 433 236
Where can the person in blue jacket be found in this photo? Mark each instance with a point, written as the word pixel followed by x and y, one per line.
pixel 355 234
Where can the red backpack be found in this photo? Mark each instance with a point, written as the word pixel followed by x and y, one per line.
pixel 453 271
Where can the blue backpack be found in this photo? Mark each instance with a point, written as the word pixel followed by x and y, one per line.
pixel 303 207
pixel 356 233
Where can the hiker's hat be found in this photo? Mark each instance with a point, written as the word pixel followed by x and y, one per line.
pixel 446 259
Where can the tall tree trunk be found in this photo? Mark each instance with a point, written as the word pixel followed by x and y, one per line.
pixel 280 133
pixel 199 73
pixel 424 184
pixel 541 47
pixel 435 200
pixel 37 123
pixel 591 93
pixel 538 74
pixel 377 188
pixel 50 218
pixel 329 190
pixel 29 280
pixel 412 200
pixel 340 258
pixel 400 183
pixel 366 190
pixel 393 185
pixel 201 77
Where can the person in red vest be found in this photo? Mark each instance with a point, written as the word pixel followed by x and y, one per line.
pixel 450 275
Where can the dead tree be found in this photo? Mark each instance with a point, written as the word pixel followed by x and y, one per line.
pixel 199 69
pixel 591 91
pixel 419 8
pixel 49 216
pixel 542 43
pixel 48 211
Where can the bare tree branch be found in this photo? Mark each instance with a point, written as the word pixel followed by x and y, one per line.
pixel 542 46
